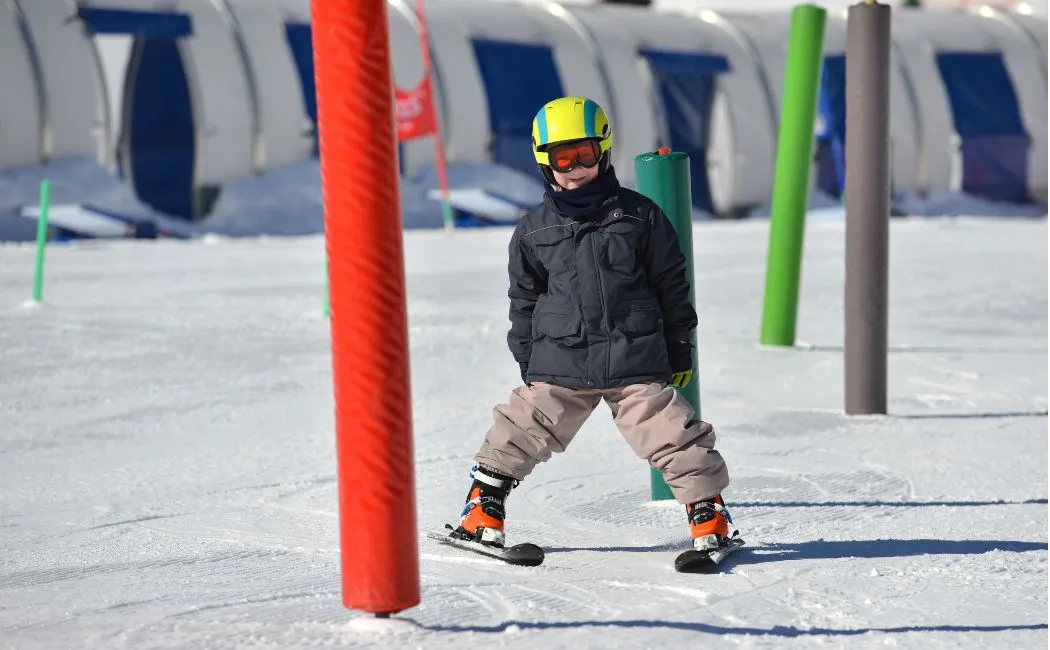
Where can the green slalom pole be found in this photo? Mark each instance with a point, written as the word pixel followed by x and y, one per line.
pixel 798 113
pixel 41 240
pixel 664 177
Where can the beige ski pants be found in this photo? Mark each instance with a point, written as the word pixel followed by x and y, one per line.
pixel 655 420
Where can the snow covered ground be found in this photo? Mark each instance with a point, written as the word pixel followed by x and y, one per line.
pixel 167 472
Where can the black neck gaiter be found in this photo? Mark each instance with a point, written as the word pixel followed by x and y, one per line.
pixel 582 202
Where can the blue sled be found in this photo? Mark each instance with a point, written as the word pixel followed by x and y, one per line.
pixel 477 208
pixel 74 221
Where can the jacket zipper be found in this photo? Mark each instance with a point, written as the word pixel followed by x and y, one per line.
pixel 601 295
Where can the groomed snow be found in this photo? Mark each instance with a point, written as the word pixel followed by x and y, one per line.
pixel 167 471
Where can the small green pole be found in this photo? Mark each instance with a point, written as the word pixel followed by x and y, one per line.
pixel 798 113
pixel 41 240
pixel 447 214
pixel 663 176
pixel 327 304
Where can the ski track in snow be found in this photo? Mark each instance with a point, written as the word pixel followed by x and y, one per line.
pixel 167 470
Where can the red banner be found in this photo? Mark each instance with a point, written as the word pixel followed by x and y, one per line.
pixel 415 113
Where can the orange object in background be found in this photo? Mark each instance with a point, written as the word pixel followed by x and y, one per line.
pixel 362 211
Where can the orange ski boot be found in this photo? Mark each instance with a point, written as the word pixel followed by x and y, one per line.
pixel 482 516
pixel 709 523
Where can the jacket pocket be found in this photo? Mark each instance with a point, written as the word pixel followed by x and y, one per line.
pixel 639 319
pixel 623 242
pixel 555 248
pixel 637 348
pixel 553 324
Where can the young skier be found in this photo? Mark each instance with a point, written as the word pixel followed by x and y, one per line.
pixel 599 310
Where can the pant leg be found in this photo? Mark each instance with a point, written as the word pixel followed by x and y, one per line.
pixel 535 422
pixel 658 424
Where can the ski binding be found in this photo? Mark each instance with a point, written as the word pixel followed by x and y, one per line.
pixel 520 554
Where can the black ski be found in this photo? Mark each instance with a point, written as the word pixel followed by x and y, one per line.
pixel 520 554
pixel 694 561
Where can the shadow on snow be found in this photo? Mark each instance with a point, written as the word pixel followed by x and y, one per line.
pixel 825 550
pixel 777 630
pixel 882 504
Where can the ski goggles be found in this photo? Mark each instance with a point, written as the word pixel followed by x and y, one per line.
pixel 566 157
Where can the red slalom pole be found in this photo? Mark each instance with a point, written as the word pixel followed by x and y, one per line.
pixel 369 328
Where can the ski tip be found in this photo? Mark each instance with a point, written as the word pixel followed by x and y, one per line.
pixel 525 554
pixel 693 561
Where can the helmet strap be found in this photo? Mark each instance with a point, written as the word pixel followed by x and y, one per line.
pixel 604 162
pixel 548 175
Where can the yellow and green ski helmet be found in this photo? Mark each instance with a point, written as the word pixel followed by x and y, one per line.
pixel 566 119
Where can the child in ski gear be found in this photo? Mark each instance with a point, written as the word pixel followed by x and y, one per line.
pixel 599 310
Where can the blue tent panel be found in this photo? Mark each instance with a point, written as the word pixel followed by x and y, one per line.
pixel 161 137
pixel 136 23
pixel 686 84
pixel 988 119
pixel 519 79
pixel 831 139
pixel 300 42
pixel 686 62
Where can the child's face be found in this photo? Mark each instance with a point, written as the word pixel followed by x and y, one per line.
pixel 578 177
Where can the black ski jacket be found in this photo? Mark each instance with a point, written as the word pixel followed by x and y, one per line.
pixel 595 302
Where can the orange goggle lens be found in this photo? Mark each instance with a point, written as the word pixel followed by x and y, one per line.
pixel 566 157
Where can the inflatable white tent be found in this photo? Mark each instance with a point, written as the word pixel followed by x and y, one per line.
pixel 22 96
pixel 53 71
pixel 405 55
pixel 283 132
pixel 186 112
pixel 56 124
pixel 687 83
pixel 208 94
pixel 982 98
pixel 188 96
pixel 497 64
pixel 297 39
pixel 1029 26
pixel 76 120
pixel 768 32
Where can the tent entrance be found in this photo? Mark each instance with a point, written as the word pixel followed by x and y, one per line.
pixel 685 83
pixel 994 143
pixel 158 150
pixel 519 79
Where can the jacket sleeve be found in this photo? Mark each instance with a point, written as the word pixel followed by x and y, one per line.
pixel 665 268
pixel 527 282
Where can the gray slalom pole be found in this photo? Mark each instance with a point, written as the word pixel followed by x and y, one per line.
pixel 867 206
